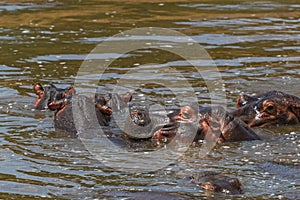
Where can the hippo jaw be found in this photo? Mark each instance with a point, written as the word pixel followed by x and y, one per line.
pixel 166 134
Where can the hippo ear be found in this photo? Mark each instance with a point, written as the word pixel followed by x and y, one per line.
pixel 37 86
pixel 70 91
pixel 244 99
pixel 127 97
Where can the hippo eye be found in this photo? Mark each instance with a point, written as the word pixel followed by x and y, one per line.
pixel 271 108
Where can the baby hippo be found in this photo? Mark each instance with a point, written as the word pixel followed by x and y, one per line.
pixel 270 108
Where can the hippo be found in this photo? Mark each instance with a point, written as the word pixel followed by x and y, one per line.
pixel 266 109
pixel 49 93
pixel 211 124
pixel 63 118
pixel 83 111
pixel 216 182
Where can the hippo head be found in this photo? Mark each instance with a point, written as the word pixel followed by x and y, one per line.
pixel 48 94
pixel 216 182
pixel 269 108
pixel 216 124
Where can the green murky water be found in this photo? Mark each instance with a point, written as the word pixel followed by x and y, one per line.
pixel 255 45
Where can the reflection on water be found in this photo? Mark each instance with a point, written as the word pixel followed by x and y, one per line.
pixel 254 44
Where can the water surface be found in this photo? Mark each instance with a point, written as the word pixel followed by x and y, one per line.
pixel 255 46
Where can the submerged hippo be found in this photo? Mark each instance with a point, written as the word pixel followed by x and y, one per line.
pixel 88 112
pixel 49 93
pixel 216 182
pixel 270 108
pixel 211 124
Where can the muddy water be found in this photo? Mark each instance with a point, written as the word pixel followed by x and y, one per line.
pixel 255 45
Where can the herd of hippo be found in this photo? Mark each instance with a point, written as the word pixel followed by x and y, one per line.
pixel 213 124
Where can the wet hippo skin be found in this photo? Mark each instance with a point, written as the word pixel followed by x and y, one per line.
pixel 216 182
pixel 63 118
pixel 270 108
pixel 49 93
